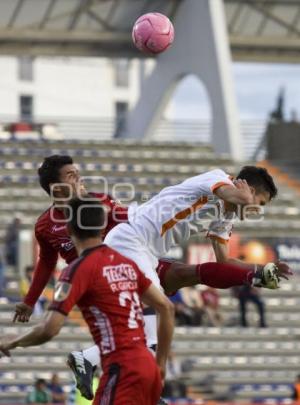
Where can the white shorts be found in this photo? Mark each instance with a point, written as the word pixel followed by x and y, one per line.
pixel 125 240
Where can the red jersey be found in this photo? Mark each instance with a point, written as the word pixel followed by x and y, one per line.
pixel 53 238
pixel 106 287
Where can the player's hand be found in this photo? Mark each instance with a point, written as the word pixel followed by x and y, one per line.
pixel 22 312
pixel 283 270
pixel 6 345
pixel 243 186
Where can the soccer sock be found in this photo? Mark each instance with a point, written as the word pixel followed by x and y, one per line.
pixel 221 275
pixel 162 269
pixel 150 327
pixel 92 354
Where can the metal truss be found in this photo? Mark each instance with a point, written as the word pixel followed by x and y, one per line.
pixel 259 30
pixel 264 30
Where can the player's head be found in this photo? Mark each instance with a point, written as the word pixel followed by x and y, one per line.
pixel 87 218
pixel 261 183
pixel 40 384
pixel 55 379
pixel 59 177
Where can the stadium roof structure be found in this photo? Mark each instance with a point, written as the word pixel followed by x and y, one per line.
pixel 259 30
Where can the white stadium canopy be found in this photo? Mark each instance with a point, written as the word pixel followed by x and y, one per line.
pixel 259 30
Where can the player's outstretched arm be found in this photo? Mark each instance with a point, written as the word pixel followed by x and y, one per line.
pixel 37 335
pixel 41 276
pixel 155 299
pixel 240 193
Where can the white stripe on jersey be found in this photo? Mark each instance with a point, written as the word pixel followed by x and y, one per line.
pixel 107 344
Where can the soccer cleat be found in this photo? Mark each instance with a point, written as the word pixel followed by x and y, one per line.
pixel 83 372
pixel 266 277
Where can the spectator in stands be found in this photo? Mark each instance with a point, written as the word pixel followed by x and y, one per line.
pixel 2 277
pixel 296 390
pixel 193 301
pixel 210 299
pixel 39 394
pixel 11 242
pixel 183 314
pixel 174 387
pixel 247 294
pixel 188 307
pixel 56 390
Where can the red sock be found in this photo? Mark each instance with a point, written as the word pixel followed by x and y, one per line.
pixel 162 268
pixel 221 275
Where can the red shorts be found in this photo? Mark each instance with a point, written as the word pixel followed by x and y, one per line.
pixel 132 381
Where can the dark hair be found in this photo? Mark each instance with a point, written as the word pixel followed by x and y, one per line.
pixel 87 217
pixel 40 381
pixel 259 178
pixel 49 171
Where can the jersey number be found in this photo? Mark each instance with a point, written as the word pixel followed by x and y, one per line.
pixel 135 313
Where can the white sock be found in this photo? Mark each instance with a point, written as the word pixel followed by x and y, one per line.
pixel 150 329
pixel 92 354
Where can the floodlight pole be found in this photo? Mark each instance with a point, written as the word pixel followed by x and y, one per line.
pixel 201 47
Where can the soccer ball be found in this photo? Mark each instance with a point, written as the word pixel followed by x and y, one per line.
pixel 153 33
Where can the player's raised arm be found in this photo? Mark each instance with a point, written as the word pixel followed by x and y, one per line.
pixel 165 309
pixel 44 269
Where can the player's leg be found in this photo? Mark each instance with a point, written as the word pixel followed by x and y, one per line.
pixel 243 311
pixel 109 383
pixel 146 385
pixel 260 308
pixel 130 383
pixel 175 275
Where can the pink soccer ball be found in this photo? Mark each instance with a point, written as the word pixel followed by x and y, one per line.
pixel 153 33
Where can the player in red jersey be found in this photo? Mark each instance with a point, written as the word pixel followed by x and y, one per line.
pixel 107 288
pixel 50 228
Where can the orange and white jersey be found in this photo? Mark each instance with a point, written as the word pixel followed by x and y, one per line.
pixel 178 211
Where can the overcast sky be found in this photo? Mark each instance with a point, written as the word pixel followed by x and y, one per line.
pixel 256 86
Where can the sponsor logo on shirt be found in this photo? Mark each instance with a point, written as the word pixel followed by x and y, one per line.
pixel 121 277
pixel 57 228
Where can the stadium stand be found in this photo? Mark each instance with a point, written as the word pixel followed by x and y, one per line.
pixel 149 166
pixel 227 362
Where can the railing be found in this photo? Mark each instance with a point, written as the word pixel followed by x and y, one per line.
pixel 169 130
